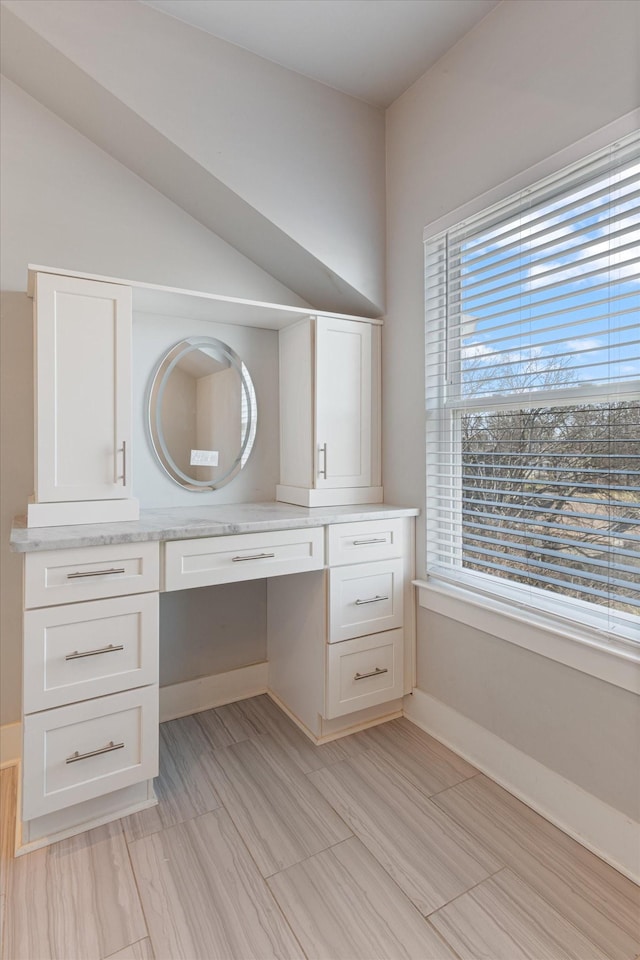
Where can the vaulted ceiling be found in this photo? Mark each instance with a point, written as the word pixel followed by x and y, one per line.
pixel 281 165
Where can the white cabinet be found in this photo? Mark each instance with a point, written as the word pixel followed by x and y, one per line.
pixel 340 646
pixel 89 687
pixel 329 412
pixel 82 402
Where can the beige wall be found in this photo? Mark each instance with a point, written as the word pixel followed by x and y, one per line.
pixel 66 203
pixel 584 729
pixel 534 77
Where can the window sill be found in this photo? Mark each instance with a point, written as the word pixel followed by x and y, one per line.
pixel 615 662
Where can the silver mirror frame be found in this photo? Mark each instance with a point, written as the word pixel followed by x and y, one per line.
pixel 154 412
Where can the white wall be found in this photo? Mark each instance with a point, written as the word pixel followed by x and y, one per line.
pixel 534 77
pixel 309 158
pixel 66 203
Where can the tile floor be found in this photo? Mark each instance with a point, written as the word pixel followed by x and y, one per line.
pixel 381 845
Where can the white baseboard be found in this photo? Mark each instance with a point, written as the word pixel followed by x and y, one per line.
pixel 193 696
pixel 10 744
pixel 605 831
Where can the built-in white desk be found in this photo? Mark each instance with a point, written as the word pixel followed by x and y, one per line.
pixel 341 637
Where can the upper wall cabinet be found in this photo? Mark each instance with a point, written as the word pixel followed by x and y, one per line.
pixel 330 412
pixel 83 402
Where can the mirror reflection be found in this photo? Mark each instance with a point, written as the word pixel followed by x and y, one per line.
pixel 202 413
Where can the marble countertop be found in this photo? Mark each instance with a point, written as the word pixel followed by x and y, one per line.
pixel 183 523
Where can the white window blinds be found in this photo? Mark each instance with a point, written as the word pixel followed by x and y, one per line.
pixel 533 394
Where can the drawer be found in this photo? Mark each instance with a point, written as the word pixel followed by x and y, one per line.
pixel 363 672
pixel 364 540
pixel 249 556
pixel 75 753
pixel 82 650
pixel 90 573
pixel 365 598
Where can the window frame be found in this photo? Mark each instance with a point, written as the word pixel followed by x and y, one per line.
pixel 464 595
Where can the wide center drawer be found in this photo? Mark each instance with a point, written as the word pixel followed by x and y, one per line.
pixel 365 598
pixel 75 753
pixel 81 650
pixel 248 556
pixel 90 573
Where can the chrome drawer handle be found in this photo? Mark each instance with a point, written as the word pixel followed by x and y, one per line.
pixel 94 753
pixel 370 600
pixel 92 653
pixel 94 573
pixel 358 543
pixel 256 556
pixel 374 673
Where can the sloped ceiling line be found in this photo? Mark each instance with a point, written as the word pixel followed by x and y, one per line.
pixel 59 84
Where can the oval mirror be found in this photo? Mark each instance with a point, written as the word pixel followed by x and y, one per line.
pixel 202 413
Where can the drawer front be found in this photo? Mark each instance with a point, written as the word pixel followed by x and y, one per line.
pixel 249 556
pixel 90 573
pixel 363 672
pixel 365 540
pixel 365 598
pixel 82 751
pixel 82 650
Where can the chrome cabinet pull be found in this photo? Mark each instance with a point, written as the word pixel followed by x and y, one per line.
pixel 358 543
pixel 94 753
pixel 322 470
pixel 123 475
pixel 374 673
pixel 92 653
pixel 255 556
pixel 370 600
pixel 94 573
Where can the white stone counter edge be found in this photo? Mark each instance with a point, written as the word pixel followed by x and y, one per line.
pixel 185 523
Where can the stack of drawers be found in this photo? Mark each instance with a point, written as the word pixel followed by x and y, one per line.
pixel 90 673
pixel 364 652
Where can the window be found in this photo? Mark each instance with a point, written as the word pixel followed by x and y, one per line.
pixel 533 396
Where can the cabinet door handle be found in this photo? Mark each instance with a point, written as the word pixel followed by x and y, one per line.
pixel 94 573
pixel 123 475
pixel 374 673
pixel 255 556
pixel 94 753
pixel 370 600
pixel 92 653
pixel 322 470
pixel 358 543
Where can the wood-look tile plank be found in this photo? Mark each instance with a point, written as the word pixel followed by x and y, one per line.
pixel 426 763
pixel 8 795
pixel 504 919
pixel 74 900
pixel 342 905
pixel 267 718
pixel 2 914
pixel 426 852
pixel 597 899
pixel 141 950
pixel 203 896
pixel 280 815
pixel 186 785
pixel 225 725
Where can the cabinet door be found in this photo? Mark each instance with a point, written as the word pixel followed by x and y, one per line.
pixel 83 389
pixel 343 403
